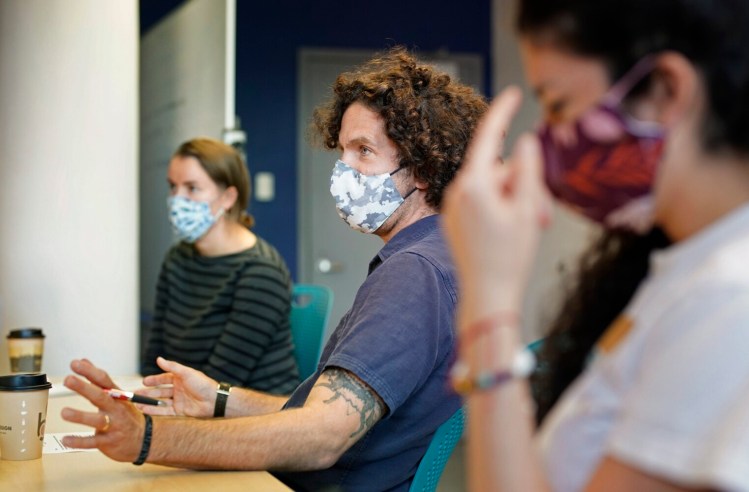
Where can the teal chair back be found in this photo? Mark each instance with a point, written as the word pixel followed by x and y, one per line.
pixel 536 346
pixel 433 463
pixel 310 310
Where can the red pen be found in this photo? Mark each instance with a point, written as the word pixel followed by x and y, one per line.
pixel 130 396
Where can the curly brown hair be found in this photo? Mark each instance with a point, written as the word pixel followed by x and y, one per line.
pixel 428 116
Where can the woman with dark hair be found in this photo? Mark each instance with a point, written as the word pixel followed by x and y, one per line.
pixel 224 294
pixel 644 376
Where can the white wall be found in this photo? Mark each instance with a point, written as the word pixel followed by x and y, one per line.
pixel 563 242
pixel 183 94
pixel 68 178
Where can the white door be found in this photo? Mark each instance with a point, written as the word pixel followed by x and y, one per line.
pixel 187 90
pixel 331 253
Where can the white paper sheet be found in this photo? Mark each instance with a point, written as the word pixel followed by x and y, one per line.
pixel 53 442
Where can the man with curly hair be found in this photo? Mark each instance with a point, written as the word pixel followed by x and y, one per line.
pixel 364 420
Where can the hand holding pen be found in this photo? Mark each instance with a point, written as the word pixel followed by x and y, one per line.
pixel 132 397
pixel 185 391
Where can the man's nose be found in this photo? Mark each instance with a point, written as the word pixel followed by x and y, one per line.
pixel 350 161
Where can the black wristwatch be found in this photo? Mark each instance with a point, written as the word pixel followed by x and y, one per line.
pixel 222 394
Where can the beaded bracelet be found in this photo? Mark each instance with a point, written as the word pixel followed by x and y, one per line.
pixel 146 447
pixel 523 364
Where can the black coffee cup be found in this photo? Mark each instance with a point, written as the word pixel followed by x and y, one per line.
pixel 25 349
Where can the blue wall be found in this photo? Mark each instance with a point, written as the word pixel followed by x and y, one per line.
pixel 268 38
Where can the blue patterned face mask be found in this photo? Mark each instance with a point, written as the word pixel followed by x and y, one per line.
pixel 190 219
pixel 364 202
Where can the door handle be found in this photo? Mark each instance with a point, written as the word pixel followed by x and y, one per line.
pixel 325 265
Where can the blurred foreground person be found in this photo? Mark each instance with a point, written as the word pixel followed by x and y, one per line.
pixel 643 381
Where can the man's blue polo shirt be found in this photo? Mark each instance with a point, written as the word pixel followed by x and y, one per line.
pixel 399 338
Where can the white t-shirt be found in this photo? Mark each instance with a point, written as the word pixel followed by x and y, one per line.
pixel 668 389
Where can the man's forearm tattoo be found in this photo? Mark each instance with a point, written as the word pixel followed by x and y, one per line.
pixel 359 397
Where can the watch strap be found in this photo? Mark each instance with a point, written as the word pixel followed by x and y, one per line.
pixel 222 394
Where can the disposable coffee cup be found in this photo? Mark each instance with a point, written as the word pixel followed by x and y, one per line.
pixel 23 415
pixel 25 349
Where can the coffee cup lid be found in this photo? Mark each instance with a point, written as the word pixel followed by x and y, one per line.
pixel 26 333
pixel 24 382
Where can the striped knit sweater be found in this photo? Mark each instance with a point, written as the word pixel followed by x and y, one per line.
pixel 226 316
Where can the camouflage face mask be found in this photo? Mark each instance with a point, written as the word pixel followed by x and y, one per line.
pixel 364 202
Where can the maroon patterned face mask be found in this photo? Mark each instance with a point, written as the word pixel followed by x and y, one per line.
pixel 604 161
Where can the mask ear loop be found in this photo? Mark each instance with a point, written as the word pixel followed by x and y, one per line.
pixel 410 192
pixel 619 91
pixel 221 210
pixel 624 85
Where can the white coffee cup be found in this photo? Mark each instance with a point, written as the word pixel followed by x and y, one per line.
pixel 23 415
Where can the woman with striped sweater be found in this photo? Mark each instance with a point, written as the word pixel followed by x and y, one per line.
pixel 223 294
